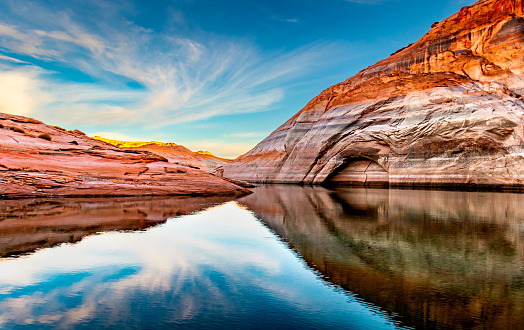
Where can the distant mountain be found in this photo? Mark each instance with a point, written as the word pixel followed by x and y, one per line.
pixel 446 110
pixel 133 144
pixel 38 160
pixel 175 153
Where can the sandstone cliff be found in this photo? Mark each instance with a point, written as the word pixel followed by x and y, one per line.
pixel 446 110
pixel 41 160
pixel 174 153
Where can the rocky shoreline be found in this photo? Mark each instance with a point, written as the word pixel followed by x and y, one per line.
pixel 38 160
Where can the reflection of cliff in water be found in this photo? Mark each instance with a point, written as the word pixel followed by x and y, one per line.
pixel 432 258
pixel 27 225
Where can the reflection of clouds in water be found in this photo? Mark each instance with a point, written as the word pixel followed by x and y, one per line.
pixel 206 255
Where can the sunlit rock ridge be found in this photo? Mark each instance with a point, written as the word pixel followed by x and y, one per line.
pixel 39 160
pixel 446 110
pixel 174 153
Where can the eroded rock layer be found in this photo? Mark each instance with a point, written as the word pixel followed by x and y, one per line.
pixel 174 153
pixel 37 160
pixel 446 110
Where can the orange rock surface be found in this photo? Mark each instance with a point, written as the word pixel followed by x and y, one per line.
pixel 174 153
pixel 444 111
pixel 41 160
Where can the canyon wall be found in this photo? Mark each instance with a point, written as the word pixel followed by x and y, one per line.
pixel 444 111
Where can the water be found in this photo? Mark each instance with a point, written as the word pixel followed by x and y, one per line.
pixel 284 257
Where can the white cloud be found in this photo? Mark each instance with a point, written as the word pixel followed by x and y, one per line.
pixel 288 20
pixel 367 2
pixel 19 42
pixel 174 78
pixel 183 79
pixel 247 135
pixel 21 92
pixel 10 59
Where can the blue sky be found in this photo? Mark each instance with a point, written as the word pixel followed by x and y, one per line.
pixel 213 75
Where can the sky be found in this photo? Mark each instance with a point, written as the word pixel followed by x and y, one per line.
pixel 207 74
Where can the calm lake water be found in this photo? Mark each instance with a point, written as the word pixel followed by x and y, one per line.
pixel 283 257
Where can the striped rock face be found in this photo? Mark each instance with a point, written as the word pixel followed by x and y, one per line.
pixel 38 160
pixel 444 111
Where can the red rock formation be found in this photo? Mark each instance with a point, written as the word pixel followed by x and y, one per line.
pixel 444 111
pixel 41 160
pixel 174 153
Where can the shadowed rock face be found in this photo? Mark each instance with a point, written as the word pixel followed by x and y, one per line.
pixel 360 172
pixel 38 160
pixel 446 110
pixel 433 259
pixel 28 225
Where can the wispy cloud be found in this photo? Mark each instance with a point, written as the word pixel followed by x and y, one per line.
pixel 289 20
pixel 247 135
pixel 181 79
pixel 11 59
pixel 367 2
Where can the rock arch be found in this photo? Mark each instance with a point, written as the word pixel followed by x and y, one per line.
pixel 359 171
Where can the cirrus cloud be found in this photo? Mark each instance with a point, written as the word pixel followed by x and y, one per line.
pixel 176 78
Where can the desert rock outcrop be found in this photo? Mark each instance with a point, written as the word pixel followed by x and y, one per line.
pixel 174 153
pixel 444 111
pixel 37 160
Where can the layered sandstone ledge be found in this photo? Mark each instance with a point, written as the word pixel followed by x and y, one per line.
pixel 37 160
pixel 444 111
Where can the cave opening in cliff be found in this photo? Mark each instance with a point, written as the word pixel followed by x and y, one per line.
pixel 361 172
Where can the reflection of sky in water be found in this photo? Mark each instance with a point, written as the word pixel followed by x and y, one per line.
pixel 217 268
